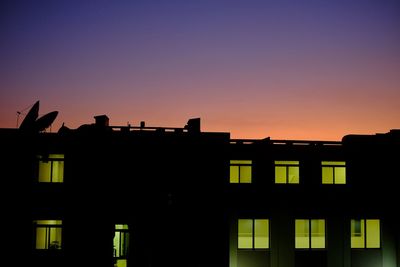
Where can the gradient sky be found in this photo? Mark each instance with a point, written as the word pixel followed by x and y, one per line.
pixel 288 69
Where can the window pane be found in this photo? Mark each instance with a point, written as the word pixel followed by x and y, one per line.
pixel 56 156
pixel 340 175
pixel 280 174
pixel 333 163
pixel 58 172
pixel 261 238
pixel 55 238
pixel 116 241
pixel 41 237
pixel 121 240
pixel 245 233
pixel 357 234
pixel 124 244
pixel 317 233
pixel 239 162
pixel 121 226
pixel 302 234
pixel 49 222
pixel 293 175
pixel 327 175
pixel 44 171
pixel 245 174
pixel 120 263
pixel 234 174
pixel 373 234
pixel 286 162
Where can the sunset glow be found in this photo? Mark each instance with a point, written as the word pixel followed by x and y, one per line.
pixel 285 69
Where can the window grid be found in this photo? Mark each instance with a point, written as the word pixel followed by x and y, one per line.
pixel 240 171
pixel 51 169
pixel 312 235
pixel 287 172
pixel 333 172
pixel 258 234
pixel 48 234
pixel 121 241
pixel 365 233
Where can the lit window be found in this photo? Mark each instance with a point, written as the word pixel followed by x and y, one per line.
pixel 310 234
pixel 253 233
pixel 333 172
pixel 240 171
pixel 287 172
pixel 365 234
pixel 121 244
pixel 48 234
pixel 51 169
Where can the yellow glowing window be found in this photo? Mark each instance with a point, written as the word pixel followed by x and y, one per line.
pixel 261 233
pixel 51 169
pixel 245 233
pixel 365 233
pixel 253 233
pixel 48 234
pixel 240 171
pixel 310 234
pixel 121 244
pixel 333 172
pixel 287 172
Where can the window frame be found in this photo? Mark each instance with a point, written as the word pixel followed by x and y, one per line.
pixel 334 164
pixel 288 164
pixel 125 233
pixel 253 234
pixel 48 227
pixel 365 233
pixel 51 158
pixel 309 236
pixel 239 164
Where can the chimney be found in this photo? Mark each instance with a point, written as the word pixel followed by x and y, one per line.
pixel 193 125
pixel 102 121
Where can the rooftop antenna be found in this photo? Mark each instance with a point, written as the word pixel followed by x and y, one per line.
pixel 18 113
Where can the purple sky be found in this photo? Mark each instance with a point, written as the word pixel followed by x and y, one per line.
pixel 288 69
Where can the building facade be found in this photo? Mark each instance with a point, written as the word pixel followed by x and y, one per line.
pixel 103 195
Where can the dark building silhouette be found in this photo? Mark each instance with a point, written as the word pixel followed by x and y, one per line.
pixel 108 196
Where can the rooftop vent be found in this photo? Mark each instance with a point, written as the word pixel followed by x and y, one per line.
pixel 102 121
pixel 193 125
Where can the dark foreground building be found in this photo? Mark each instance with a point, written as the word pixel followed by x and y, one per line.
pixel 148 196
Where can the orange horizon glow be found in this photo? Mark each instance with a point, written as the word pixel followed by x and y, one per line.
pixel 280 69
pixel 242 128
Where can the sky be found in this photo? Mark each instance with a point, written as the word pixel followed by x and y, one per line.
pixel 285 69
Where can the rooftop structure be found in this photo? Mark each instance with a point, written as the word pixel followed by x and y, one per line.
pixel 103 195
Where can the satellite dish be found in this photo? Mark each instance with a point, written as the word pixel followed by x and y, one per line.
pixel 45 121
pixel 30 118
pixel 33 124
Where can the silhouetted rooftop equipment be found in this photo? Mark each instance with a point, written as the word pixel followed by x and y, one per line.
pixel 284 142
pixel 45 121
pixel 30 118
pixel 102 121
pixel 395 132
pixel 31 122
pixel 193 125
